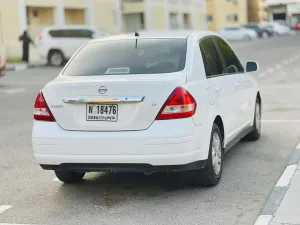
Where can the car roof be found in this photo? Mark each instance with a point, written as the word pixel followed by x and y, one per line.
pixel 157 35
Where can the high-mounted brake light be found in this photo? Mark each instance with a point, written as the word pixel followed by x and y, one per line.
pixel 180 104
pixel 41 109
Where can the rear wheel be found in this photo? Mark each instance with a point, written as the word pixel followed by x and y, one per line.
pixel 255 133
pixel 247 38
pixel 56 58
pixel 211 174
pixel 68 176
pixel 265 35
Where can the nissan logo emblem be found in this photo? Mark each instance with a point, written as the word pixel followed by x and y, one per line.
pixel 102 90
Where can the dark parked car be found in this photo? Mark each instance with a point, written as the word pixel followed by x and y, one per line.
pixel 262 31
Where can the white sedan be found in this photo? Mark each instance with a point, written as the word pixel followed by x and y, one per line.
pixel 147 103
pixel 279 29
pixel 238 33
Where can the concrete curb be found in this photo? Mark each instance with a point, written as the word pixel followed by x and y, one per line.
pixel 18 67
pixel 279 191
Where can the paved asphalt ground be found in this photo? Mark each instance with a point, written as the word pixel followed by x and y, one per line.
pixel 250 170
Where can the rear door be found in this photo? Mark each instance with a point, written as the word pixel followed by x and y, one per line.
pixel 223 85
pixel 235 70
pixel 117 85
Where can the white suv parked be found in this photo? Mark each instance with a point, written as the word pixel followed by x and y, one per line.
pixel 57 44
pixel 147 103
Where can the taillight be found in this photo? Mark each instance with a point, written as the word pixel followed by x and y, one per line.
pixel 41 109
pixel 40 37
pixel 180 104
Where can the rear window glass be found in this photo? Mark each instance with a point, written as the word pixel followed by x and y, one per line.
pixel 232 28
pixel 71 33
pixel 144 56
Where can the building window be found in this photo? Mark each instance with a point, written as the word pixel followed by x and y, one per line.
pixel 209 18
pixel 236 17
pixel 229 18
pixel 232 18
pixel 174 20
pixel 187 21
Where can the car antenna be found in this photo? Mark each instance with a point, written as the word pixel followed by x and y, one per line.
pixel 136 34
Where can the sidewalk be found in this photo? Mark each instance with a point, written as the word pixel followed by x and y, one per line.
pixel 289 209
pixel 34 61
pixel 283 205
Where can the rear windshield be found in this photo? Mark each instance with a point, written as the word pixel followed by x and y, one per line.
pixel 144 56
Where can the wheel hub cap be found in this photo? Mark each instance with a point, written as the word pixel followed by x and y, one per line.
pixel 56 59
pixel 216 153
pixel 258 118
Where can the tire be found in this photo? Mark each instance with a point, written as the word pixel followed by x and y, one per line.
pixel 255 133
pixel 69 177
pixel 56 58
pixel 247 38
pixel 212 172
pixel 265 35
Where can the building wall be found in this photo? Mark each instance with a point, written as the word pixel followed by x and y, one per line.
pixel 158 17
pixel 256 11
pixel 41 3
pixel 38 18
pixel 221 11
pixel 134 7
pixel 253 10
pixel 105 15
pixel 9 28
pixel 75 16
pixel 75 3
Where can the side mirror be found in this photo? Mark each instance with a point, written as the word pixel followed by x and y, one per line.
pixel 251 67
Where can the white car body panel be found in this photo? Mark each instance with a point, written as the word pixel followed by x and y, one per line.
pixel 156 145
pixel 280 29
pixel 237 33
pixel 132 116
pixel 138 137
pixel 68 46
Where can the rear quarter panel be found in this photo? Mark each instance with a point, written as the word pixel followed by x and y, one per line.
pixel 200 88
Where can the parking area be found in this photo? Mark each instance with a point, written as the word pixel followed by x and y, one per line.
pixel 29 195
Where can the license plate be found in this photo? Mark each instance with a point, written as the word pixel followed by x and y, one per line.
pixel 97 112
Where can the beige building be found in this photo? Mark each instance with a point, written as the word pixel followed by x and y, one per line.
pixel 257 11
pixel 222 13
pixel 112 15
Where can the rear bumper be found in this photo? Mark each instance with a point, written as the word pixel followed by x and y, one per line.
pixel 144 168
pixel 165 143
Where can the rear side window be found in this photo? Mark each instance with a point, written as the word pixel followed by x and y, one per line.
pixel 56 33
pixel 231 60
pixel 121 57
pixel 212 56
pixel 232 28
pixel 71 33
pixel 205 63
